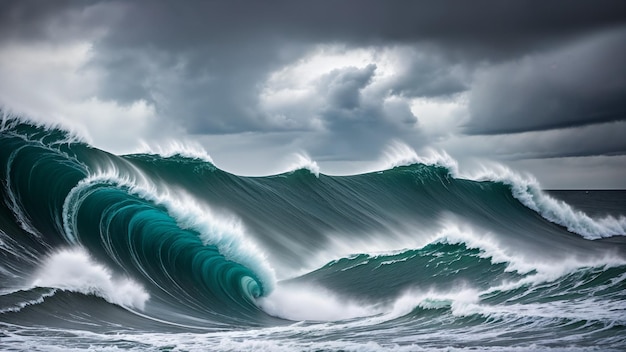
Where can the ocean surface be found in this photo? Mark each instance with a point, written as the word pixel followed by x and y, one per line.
pixel 166 252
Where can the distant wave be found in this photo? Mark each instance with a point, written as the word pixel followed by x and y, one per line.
pixel 303 162
pixel 175 148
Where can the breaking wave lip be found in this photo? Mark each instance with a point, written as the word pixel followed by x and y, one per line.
pixel 300 301
pixel 173 148
pixel 399 154
pixel 72 269
pixel 226 233
pixel 9 121
pixel 303 161
pixel 525 188
pixel 305 302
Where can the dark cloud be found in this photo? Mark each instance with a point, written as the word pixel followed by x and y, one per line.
pixel 523 66
pixel 358 123
pixel 176 25
pixel 221 51
pixel 61 20
pixel 426 71
pixel 343 87
pixel 580 84
pixel 598 172
pixel 598 139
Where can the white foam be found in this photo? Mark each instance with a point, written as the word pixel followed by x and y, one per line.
pixel 431 299
pixel 171 148
pixel 528 191
pixel 262 340
pixel 525 188
pixel 537 270
pixel 308 303
pixel 577 309
pixel 266 340
pixel 400 154
pixel 72 269
pixel 304 302
pixel 487 243
pixel 302 161
pixel 544 269
pixel 465 301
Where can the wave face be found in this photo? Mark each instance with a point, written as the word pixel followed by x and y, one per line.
pixel 168 252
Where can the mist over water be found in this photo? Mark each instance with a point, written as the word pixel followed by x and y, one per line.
pixel 162 250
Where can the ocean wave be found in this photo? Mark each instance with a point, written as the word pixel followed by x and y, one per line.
pixel 303 162
pixel 137 251
pixel 174 148
pixel 528 191
pixel 15 300
pixel 223 231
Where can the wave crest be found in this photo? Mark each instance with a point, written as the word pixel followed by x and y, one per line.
pixel 303 162
pixel 400 154
pixel 527 190
pixel 203 249
pixel 173 148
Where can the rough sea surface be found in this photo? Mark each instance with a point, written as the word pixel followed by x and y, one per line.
pixel 166 252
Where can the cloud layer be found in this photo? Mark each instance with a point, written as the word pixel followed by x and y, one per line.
pixel 510 81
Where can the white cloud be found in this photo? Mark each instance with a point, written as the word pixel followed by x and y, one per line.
pixel 441 117
pixel 51 82
pixel 294 96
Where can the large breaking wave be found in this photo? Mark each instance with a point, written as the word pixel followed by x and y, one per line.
pixel 150 244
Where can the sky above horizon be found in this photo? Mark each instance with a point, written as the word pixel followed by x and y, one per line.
pixel 539 87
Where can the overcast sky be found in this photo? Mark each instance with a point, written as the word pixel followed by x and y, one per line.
pixel 539 86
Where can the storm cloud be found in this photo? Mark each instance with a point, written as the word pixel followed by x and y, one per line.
pixel 582 83
pixel 337 80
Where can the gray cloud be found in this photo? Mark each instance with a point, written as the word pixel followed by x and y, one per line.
pixel 205 89
pixel 202 68
pixel 598 139
pixel 428 71
pixel 359 123
pixel 353 117
pixel 56 21
pixel 343 87
pixel 580 84
pixel 598 172
pixel 221 51
pixel 482 22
